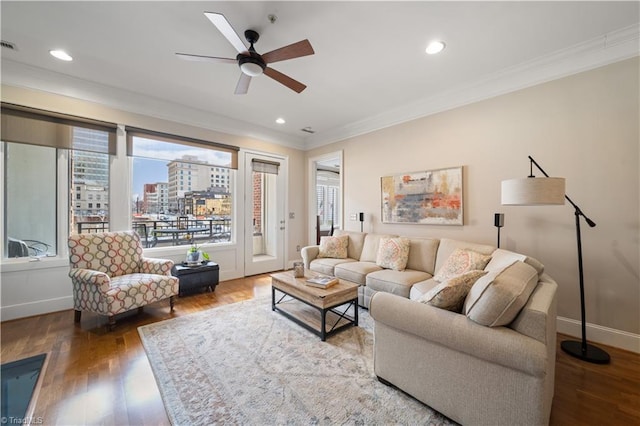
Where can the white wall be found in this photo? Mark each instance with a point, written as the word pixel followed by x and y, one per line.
pixel 32 288
pixel 584 128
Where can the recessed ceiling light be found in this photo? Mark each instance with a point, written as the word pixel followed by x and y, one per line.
pixel 435 47
pixel 61 54
pixel 280 120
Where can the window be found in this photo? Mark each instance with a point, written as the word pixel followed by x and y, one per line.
pixel 196 210
pixel 92 179
pixel 30 180
pixel 35 145
pixel 327 190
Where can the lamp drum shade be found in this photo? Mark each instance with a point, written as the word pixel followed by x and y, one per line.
pixel 533 191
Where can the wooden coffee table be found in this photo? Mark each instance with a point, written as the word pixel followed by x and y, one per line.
pixel 333 304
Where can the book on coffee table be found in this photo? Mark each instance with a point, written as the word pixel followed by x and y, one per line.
pixel 322 281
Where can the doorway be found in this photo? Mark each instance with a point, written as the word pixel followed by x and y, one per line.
pixel 325 195
pixel 265 178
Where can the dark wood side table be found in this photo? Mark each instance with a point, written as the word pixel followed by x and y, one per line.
pixel 196 277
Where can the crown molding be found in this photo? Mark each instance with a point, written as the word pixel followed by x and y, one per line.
pixel 612 47
pixel 604 50
pixel 29 77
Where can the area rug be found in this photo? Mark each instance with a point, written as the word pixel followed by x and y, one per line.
pixel 244 364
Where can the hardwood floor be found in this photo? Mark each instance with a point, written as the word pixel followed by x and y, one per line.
pixel 99 377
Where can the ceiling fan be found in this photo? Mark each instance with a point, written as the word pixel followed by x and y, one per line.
pixel 251 62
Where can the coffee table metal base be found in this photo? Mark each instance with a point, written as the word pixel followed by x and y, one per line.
pixel 342 321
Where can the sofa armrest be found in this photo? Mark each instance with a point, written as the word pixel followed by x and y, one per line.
pixel 308 254
pixel 85 277
pixel 156 266
pixel 537 319
pixel 499 345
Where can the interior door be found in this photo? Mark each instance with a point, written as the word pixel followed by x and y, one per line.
pixel 265 178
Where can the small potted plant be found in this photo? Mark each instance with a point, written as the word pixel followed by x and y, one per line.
pixel 195 256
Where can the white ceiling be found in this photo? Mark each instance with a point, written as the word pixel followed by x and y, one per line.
pixel 369 69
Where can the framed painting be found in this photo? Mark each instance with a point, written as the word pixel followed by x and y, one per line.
pixel 432 197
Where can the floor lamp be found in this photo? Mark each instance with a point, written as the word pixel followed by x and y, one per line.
pixel 532 191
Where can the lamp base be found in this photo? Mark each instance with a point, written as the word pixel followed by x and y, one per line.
pixel 591 354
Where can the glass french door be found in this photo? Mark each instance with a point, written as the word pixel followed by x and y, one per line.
pixel 265 213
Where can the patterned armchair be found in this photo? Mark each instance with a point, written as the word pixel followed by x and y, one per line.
pixel 110 275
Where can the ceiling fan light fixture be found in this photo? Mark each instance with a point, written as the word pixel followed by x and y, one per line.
pixel 434 47
pixel 251 66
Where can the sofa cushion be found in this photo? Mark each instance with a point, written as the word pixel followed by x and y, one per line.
pixel 420 288
pixel 396 282
pixel 461 261
pixel 422 254
pixel 502 258
pixel 356 271
pixel 447 246
pixel 496 303
pixel 393 253
pixel 370 247
pixel 356 241
pixel 450 294
pixel 327 265
pixel 334 247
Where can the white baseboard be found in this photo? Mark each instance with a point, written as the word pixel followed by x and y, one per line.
pixel 599 334
pixel 39 307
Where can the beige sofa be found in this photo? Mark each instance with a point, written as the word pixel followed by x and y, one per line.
pixel 474 374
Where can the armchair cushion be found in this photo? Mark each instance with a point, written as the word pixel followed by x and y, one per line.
pixel 133 290
pixel 115 253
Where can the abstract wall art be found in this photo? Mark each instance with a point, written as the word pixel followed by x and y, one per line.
pixel 432 197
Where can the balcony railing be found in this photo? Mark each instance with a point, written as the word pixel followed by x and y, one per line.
pixel 171 232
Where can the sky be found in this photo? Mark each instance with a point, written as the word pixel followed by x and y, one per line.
pixel 147 171
pixel 151 158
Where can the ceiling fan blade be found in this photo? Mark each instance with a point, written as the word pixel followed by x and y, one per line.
pixel 200 58
pixel 295 50
pixel 227 30
pixel 292 84
pixel 243 84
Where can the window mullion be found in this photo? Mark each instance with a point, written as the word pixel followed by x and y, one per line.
pixel 63 203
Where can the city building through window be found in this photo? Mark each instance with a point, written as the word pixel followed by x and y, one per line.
pixel 174 210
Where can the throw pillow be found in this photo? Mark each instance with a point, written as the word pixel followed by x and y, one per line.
pixel 393 253
pixel 499 301
pixel 334 247
pixel 461 261
pixel 451 293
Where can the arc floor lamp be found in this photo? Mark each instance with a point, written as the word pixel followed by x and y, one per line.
pixel 533 191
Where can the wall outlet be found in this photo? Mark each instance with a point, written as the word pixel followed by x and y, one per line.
pixel 297 248
pixel 292 215
pixel 353 217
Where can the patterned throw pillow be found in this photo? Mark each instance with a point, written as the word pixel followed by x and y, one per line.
pixel 461 261
pixel 450 294
pixel 393 253
pixel 334 247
